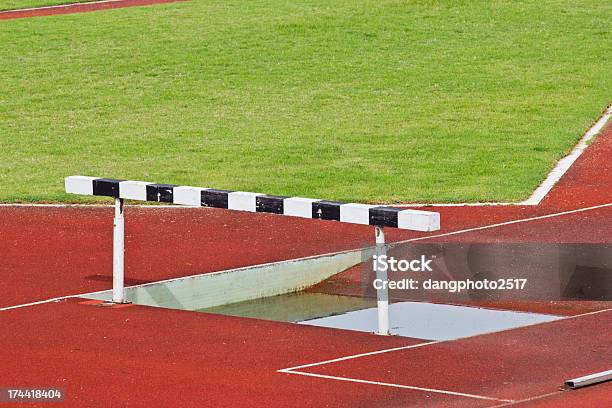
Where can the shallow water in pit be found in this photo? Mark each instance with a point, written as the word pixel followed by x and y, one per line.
pixel 408 319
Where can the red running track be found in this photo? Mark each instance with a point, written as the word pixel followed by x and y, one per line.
pixel 589 180
pixel 506 365
pixel 77 8
pixel 71 248
pixel 150 357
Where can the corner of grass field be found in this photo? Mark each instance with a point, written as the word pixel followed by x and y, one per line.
pixel 384 102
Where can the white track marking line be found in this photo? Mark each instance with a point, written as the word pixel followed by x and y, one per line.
pixel 409 387
pixel 507 404
pixel 371 353
pixel 55 299
pixel 501 224
pixel 62 6
pixel 565 163
pixel 562 167
pixel 580 315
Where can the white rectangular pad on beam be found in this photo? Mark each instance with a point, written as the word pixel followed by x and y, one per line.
pixel 418 220
pixel 298 207
pixel 241 201
pixel 355 213
pixel 79 185
pixel 186 195
pixel 133 190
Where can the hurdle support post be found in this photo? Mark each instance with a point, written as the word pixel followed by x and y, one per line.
pixel 118 253
pixel 382 294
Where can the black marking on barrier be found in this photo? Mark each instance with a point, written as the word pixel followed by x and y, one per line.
pixel 270 204
pixel 106 187
pixel 326 210
pixel 384 216
pixel 215 198
pixel 160 192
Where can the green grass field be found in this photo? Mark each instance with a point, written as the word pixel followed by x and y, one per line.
pixel 22 4
pixel 382 101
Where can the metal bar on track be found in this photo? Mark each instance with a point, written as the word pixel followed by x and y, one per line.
pixel 382 294
pixel 589 379
pixel 118 253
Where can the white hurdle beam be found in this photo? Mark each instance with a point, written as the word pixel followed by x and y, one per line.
pixel 364 214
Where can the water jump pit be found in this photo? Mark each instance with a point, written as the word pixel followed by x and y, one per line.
pixel 298 291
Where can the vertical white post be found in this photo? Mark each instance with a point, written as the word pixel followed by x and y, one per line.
pixel 382 295
pixel 118 250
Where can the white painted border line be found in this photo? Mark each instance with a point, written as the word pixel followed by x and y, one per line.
pixel 371 353
pixel 501 224
pixel 55 299
pixel 553 177
pixel 565 163
pixel 59 6
pixel 537 397
pixel 409 387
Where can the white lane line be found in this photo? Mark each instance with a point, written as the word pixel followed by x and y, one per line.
pixel 408 387
pixel 56 6
pixel 565 163
pixel 55 299
pixel 501 224
pixel 583 314
pixel 371 353
pixel 507 404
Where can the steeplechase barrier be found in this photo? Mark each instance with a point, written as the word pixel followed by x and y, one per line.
pixel 374 215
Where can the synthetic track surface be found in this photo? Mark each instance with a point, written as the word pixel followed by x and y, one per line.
pixel 77 8
pixel 153 357
pixel 163 243
pixel 157 357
